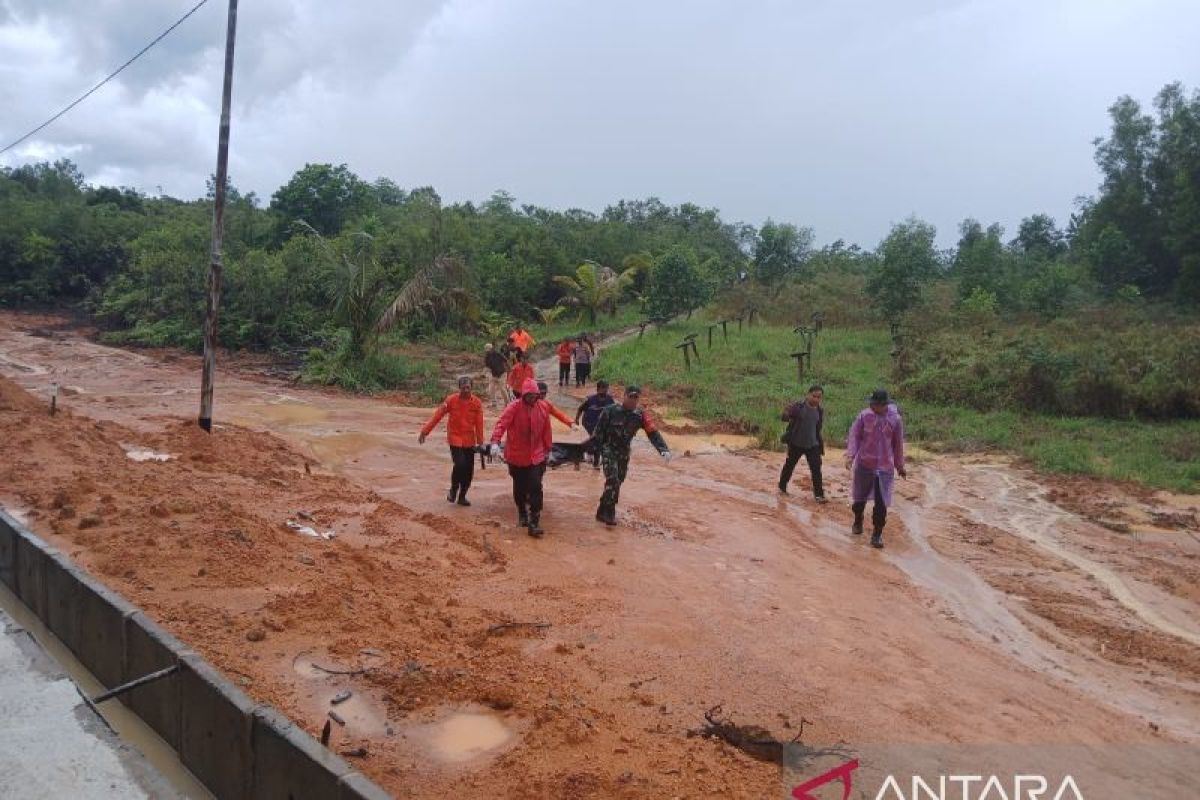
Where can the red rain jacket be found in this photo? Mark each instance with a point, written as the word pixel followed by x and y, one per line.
pixel 528 429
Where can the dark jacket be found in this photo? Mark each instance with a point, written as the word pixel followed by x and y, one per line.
pixel 617 426
pixel 591 408
pixel 796 416
pixel 496 363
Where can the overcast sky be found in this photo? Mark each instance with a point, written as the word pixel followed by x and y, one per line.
pixel 842 116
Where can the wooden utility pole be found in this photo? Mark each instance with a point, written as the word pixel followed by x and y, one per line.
pixel 215 266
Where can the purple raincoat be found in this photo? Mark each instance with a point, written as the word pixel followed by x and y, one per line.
pixel 876 446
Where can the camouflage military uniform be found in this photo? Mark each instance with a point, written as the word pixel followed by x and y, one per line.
pixel 614 433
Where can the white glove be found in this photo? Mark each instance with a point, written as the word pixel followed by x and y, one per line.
pixel 666 456
pixel 493 450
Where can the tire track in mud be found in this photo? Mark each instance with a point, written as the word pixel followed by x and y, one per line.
pixel 970 491
pixel 976 603
pixel 1034 519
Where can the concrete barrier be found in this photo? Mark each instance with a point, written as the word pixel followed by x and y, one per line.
pixel 215 723
pixel 32 557
pixel 63 581
pixel 288 763
pixel 357 786
pixel 8 551
pixel 149 648
pixel 236 748
pixel 102 614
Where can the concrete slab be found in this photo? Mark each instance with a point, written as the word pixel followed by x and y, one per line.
pixel 51 743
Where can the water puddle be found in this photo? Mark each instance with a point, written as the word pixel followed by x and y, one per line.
pixel 290 411
pixel 144 454
pixel 308 530
pixel 340 448
pixel 364 712
pixel 701 443
pixel 467 735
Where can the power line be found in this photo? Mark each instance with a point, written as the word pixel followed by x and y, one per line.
pixel 115 73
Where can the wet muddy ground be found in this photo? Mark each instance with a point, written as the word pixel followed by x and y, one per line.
pixel 1007 607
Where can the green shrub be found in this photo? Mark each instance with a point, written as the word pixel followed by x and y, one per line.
pixel 379 370
pixel 1107 366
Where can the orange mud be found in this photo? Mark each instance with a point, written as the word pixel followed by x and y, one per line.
pixel 1001 611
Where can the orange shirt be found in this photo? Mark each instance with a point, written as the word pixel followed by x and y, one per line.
pixel 465 426
pixel 520 372
pixel 564 352
pixel 523 339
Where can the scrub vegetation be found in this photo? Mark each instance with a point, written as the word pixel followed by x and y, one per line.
pixel 1075 343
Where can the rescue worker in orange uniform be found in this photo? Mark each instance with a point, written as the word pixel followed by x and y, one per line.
pixel 464 432
pixel 521 372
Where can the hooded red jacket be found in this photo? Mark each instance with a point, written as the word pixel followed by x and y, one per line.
pixel 528 429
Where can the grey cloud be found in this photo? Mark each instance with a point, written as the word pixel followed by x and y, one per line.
pixel 845 117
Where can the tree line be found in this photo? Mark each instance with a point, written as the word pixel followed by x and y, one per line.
pixel 298 264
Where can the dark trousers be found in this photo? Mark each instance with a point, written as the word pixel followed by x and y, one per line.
pixel 813 455
pixel 527 487
pixel 878 510
pixel 582 372
pixel 464 468
pixel 593 449
pixel 615 470
pixel 564 373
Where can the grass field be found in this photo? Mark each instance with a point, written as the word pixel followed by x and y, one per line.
pixel 747 382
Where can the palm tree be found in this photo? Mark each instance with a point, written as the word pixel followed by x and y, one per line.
pixel 549 316
pixel 357 288
pixel 594 288
pixel 437 290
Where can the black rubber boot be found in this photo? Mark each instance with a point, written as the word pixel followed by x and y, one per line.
pixel 523 518
pixel 462 498
pixel 856 528
pixel 452 495
pixel 877 540
pixel 535 527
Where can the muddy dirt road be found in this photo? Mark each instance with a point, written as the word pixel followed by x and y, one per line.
pixel 1005 608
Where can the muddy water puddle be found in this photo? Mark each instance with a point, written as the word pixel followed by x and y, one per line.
pixel 452 736
pixel 359 711
pixel 138 453
pixel 463 735
pixel 467 735
pixel 288 411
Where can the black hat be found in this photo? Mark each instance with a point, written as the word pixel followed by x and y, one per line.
pixel 633 389
pixel 879 397
pixel 542 387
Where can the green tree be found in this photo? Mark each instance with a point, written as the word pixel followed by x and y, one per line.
pixel 907 260
pixel 1115 261
pixel 979 262
pixel 675 285
pixel 1038 237
pixel 780 252
pixel 322 195
pixel 1175 178
pixel 594 288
